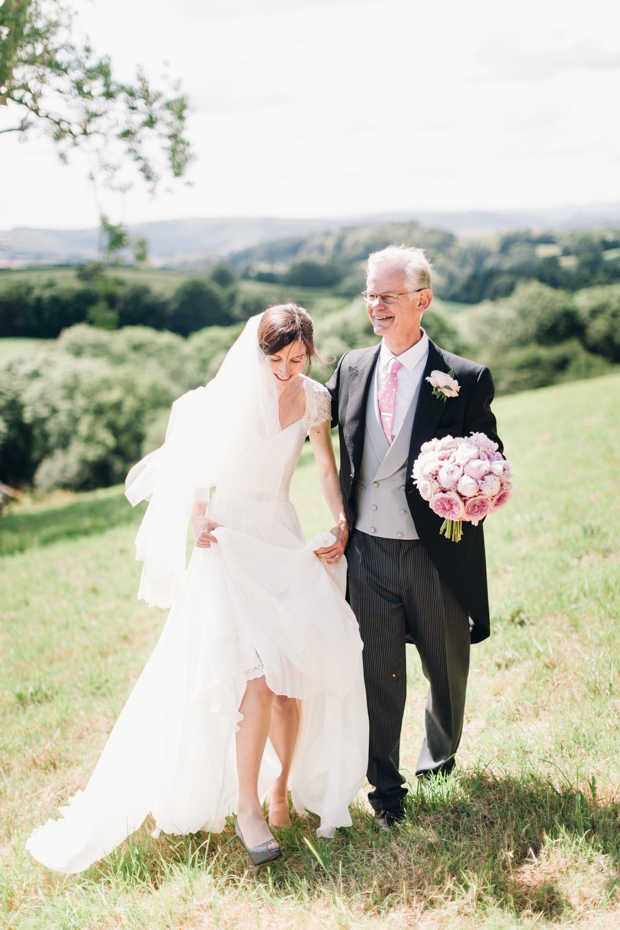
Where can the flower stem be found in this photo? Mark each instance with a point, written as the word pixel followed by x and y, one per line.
pixel 452 529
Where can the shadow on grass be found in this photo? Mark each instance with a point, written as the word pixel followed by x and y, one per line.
pixel 473 841
pixel 89 514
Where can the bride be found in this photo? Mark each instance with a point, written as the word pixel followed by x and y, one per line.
pixel 255 686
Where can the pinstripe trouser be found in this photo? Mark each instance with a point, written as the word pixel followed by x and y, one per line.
pixel 397 595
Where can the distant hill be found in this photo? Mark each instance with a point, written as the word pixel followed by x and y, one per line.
pixel 192 243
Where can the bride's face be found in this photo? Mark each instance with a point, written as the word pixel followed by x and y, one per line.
pixel 288 362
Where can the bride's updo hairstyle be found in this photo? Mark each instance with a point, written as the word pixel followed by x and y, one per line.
pixel 283 324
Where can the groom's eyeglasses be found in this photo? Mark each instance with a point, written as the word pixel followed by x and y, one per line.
pixel 388 299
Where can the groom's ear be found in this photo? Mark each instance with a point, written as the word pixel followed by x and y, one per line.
pixel 424 299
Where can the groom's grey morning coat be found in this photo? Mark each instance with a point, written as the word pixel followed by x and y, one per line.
pixel 461 565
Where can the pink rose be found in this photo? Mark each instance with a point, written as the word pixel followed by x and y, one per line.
pixel 502 499
pixel 429 446
pixel 418 466
pixel 442 381
pixel 490 486
pixel 465 453
pixel 447 505
pixel 431 468
pixel 476 508
pixel 449 476
pixel 477 469
pixel 428 488
pixel 447 442
pixel 482 442
pixel 497 468
pixel 467 487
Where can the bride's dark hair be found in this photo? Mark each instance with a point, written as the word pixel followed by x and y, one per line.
pixel 283 324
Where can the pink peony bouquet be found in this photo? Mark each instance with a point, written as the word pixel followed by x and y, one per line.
pixel 462 479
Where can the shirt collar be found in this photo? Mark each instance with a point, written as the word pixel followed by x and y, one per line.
pixel 410 359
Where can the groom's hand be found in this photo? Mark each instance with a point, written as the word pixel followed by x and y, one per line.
pixel 202 527
pixel 333 554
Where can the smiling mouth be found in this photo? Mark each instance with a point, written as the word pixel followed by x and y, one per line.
pixel 382 318
pixel 283 379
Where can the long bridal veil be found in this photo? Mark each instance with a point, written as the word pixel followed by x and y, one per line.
pixel 218 436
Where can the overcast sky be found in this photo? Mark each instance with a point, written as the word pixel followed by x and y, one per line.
pixel 313 108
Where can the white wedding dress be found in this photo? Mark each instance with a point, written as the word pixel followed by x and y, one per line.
pixel 257 603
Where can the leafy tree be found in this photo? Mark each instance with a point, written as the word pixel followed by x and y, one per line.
pixel 141 250
pixel 600 310
pixel 116 238
pixel 16 462
pixel 308 273
pixel 198 303
pixel 47 80
pixel 223 275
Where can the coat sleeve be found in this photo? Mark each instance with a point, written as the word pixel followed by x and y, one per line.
pixel 333 386
pixel 479 418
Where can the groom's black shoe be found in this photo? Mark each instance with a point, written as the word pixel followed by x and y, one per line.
pixel 386 819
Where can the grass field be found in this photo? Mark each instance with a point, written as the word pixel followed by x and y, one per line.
pixel 525 833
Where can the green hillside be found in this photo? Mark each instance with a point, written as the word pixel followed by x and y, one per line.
pixel 525 833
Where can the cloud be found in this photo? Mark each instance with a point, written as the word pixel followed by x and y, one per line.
pixel 502 57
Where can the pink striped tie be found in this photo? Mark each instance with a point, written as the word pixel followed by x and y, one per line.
pixel 387 398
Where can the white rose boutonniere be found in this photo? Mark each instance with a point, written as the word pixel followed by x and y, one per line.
pixel 444 385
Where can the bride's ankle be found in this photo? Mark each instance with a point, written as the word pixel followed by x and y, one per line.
pixel 249 810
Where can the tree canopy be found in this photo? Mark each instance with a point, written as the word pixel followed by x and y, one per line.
pixel 48 79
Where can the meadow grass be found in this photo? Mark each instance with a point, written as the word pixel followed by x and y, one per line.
pixel 10 346
pixel 525 833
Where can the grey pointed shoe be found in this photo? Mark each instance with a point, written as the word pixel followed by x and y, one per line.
pixel 259 855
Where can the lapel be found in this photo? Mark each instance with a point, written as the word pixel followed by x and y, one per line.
pixel 429 410
pixel 360 380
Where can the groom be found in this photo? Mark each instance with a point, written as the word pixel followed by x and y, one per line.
pixel 407 584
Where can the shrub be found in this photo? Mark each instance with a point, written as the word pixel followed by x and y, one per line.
pixel 442 330
pixel 42 312
pixel 137 305
pixel 537 366
pixel 198 303
pixel 16 462
pixel 307 273
pixel 163 354
pixel 223 275
pixel 600 313
pixel 89 420
pixel 543 315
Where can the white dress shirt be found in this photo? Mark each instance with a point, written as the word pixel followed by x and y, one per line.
pixel 409 376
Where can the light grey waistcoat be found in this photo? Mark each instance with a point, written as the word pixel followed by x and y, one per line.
pixel 382 508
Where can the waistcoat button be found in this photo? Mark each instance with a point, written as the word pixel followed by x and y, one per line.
pixel 375 484
pixel 403 512
pixel 372 529
pixel 402 487
pixel 373 507
pixel 399 535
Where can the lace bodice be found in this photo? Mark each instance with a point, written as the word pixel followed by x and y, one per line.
pixel 318 403
pixel 290 442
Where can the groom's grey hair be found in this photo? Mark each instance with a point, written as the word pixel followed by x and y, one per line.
pixel 412 262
